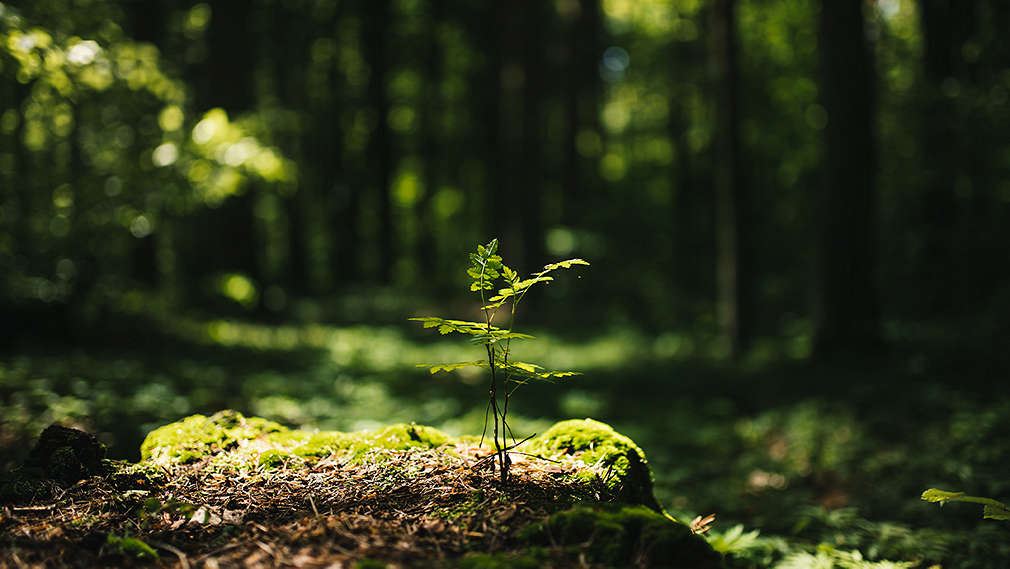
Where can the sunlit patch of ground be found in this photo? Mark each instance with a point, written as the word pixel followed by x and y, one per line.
pixel 411 507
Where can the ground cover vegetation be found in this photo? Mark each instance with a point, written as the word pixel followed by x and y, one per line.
pixel 797 214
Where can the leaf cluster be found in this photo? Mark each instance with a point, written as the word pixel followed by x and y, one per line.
pixel 485 270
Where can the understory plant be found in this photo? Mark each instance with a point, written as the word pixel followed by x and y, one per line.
pixel 991 509
pixel 501 289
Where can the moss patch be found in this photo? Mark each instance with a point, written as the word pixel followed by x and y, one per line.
pixel 130 546
pixel 616 458
pixel 234 440
pixel 618 536
pixel 193 437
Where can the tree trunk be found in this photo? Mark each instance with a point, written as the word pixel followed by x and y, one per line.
pixel 20 178
pixel 846 314
pixel 290 55
pixel 946 26
pixel 495 187
pixel 529 210
pixel 228 233
pixel 431 142
pixel 581 96
pixel 732 260
pixel 380 151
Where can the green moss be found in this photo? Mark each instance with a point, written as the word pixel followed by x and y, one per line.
pixel 272 458
pixel 326 443
pixel 196 436
pixel 620 536
pixel 367 563
pixel 618 460
pixel 403 436
pixel 452 514
pixel 134 476
pixel 130 546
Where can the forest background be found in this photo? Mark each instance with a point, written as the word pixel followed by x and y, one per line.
pixel 796 213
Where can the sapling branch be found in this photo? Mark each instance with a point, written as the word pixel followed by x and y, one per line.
pixel 485 268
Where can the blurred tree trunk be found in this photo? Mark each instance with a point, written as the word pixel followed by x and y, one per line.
pixel 380 152
pixel 492 78
pixel 506 204
pixel 20 179
pixel 227 83
pixel 846 314
pixel 146 21
pixel 685 210
pixel 290 55
pixel 581 98
pixel 946 27
pixel 529 206
pixel 431 141
pixel 228 237
pixel 339 173
pixel 733 273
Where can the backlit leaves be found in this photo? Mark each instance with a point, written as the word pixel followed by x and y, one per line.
pixel 991 509
pixel 566 264
pixel 433 369
pixel 461 326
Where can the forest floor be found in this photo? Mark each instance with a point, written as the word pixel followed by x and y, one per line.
pixel 325 515
pixel 801 463
pixel 245 505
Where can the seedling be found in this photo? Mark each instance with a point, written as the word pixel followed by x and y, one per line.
pixel 488 273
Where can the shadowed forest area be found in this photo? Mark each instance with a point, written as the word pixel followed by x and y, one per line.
pixel 797 215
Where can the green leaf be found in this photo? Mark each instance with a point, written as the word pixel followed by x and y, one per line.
pixel 435 368
pixel 992 509
pixel 523 285
pixel 566 264
pixel 492 246
pixel 496 336
pixel 934 495
pixel 524 371
pixel 992 512
pixel 461 326
pixel 510 275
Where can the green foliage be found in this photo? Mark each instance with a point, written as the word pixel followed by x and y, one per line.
pixel 130 546
pixel 991 509
pixel 733 540
pixel 486 268
pixel 828 557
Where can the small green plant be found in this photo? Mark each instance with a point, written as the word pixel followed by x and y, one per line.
pixel 991 509
pixel 487 273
